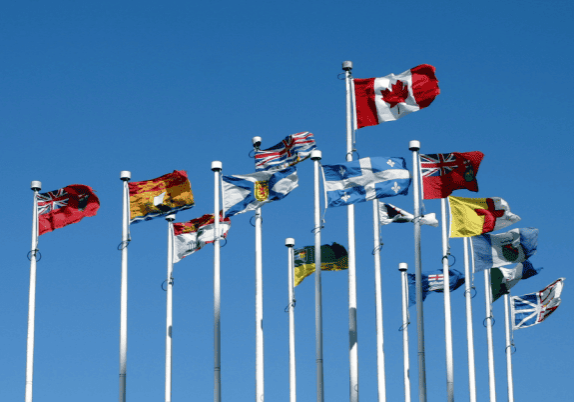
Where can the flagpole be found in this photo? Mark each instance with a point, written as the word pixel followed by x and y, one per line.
pixel 403 266
pixel 216 167
pixel 353 344
pixel 488 319
pixel 447 309
pixel 469 327
pixel 508 348
pixel 169 308
pixel 316 156
pixel 414 146
pixel 125 176
pixel 379 303
pixel 36 186
pixel 290 243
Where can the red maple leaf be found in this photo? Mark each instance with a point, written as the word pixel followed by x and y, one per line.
pixel 398 94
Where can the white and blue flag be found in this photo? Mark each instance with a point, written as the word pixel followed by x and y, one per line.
pixel 533 308
pixel 242 193
pixel 498 250
pixel 366 179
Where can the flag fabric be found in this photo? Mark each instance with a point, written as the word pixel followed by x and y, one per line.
pixel 389 98
pixel 333 258
pixel 247 192
pixel 444 173
pixel 65 206
pixel 433 281
pixel 475 216
pixel 498 250
pixel 533 308
pixel 503 279
pixel 366 179
pixel 388 213
pixel 292 150
pixel 165 195
pixel 191 236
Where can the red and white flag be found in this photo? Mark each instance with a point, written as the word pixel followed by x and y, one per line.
pixel 389 98
pixel 193 235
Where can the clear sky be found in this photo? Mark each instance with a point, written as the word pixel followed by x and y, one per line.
pixel 92 88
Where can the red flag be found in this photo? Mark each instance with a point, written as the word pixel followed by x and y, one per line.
pixel 65 206
pixel 444 173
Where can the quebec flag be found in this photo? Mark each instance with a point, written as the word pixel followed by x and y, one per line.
pixel 366 179
pixel 533 308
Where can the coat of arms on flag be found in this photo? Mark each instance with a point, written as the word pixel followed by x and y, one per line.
pixel 533 308
pixel 292 150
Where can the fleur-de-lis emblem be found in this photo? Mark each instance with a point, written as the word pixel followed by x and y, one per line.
pixel 345 197
pixel 342 171
pixel 391 163
pixel 396 188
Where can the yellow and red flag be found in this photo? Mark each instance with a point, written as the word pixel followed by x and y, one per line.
pixel 475 216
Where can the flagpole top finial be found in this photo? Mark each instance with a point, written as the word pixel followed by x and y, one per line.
pixel 256 142
pixel 316 155
pixel 125 175
pixel 347 65
pixel 170 218
pixel 403 266
pixel 216 166
pixel 36 185
pixel 414 145
pixel 289 242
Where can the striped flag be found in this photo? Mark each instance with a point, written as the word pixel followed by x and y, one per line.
pixel 292 150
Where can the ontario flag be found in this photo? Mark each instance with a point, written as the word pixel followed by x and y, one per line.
pixel 191 236
pixel 389 98
pixel 444 173
pixel 65 206
pixel 475 216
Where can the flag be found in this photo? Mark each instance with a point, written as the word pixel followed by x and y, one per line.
pixel 444 173
pixel 165 195
pixel 65 206
pixel 292 150
pixel 188 237
pixel 533 308
pixel 498 250
pixel 247 192
pixel 333 258
pixel 433 281
pixel 388 213
pixel 503 279
pixel 389 98
pixel 475 216
pixel 366 179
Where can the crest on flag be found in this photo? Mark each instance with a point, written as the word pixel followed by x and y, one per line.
pixel 293 149
pixel 262 190
pixel 533 308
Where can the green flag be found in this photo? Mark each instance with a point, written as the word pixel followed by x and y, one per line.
pixel 333 258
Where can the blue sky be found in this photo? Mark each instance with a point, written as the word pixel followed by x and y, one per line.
pixel 91 89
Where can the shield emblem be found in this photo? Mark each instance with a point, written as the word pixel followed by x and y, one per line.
pixel 510 252
pixel 469 172
pixel 262 190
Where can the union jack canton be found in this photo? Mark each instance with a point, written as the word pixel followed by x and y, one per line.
pixel 438 164
pixel 533 308
pixel 292 150
pixel 436 282
pixel 52 200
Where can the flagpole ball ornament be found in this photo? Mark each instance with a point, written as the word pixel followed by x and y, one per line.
pixel 414 145
pixel 256 142
pixel 347 65
pixel 36 185
pixel 290 242
pixel 125 175
pixel 170 218
pixel 403 266
pixel 316 155
pixel 216 166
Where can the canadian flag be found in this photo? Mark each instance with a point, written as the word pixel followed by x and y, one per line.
pixel 389 98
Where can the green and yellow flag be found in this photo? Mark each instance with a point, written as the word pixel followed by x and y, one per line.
pixel 333 258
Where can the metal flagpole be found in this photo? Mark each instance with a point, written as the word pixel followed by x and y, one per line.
pixel 403 266
pixel 447 310
pixel 509 346
pixel 353 344
pixel 290 243
pixel 36 187
pixel 125 176
pixel 316 156
pixel 216 166
pixel 414 146
pixel 469 328
pixel 169 308
pixel 379 303
pixel 488 319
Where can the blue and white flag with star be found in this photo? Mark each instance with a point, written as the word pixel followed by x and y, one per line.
pixel 533 308
pixel 366 179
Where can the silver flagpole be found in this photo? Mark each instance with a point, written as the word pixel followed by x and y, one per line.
pixel 316 156
pixel 414 146
pixel 353 342
pixel 469 328
pixel 488 319
pixel 379 303
pixel 290 243
pixel 169 308
pixel 509 346
pixel 447 310
pixel 216 166
pixel 125 176
pixel 36 187
pixel 403 266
